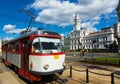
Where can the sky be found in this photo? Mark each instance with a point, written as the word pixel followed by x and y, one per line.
pixel 55 15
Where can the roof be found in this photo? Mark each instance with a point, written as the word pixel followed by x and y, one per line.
pixel 93 33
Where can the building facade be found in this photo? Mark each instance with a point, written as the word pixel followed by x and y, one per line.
pixel 77 34
pixel 79 38
pixel 99 40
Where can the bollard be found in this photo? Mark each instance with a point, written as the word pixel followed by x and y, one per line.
pixel 87 76
pixel 70 70
pixel 119 62
pixel 94 60
pixel 112 78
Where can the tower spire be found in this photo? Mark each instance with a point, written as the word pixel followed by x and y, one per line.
pixel 76 22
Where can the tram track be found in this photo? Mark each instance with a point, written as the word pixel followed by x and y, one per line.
pixel 52 79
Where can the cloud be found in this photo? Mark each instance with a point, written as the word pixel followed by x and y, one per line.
pixel 11 29
pixel 89 26
pixel 8 38
pixel 61 12
pixel 55 12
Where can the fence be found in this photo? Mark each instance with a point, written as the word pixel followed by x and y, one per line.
pixel 88 71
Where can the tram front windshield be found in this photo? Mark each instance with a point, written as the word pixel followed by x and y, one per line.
pixel 46 45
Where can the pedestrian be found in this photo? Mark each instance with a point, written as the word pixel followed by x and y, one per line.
pixel 82 52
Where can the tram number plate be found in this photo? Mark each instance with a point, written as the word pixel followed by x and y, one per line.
pixel 56 57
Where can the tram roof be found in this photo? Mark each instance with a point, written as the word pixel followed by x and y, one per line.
pixel 39 32
pixel 35 32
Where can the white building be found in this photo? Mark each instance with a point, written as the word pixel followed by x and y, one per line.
pixel 77 34
pixel 99 40
pixel 80 38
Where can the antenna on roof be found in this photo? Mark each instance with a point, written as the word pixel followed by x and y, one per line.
pixel 32 19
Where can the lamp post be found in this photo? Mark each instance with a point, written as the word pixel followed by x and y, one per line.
pixel 93 41
pixel 80 47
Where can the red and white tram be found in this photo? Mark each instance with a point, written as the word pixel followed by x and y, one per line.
pixel 35 54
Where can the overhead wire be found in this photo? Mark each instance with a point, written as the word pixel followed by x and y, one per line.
pixel 18 20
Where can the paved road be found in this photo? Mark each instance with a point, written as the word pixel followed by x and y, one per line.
pixel 88 55
pixel 77 57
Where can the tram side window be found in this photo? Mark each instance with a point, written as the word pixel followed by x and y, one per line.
pixel 9 47
pixel 4 49
pixel 13 47
pixel 16 47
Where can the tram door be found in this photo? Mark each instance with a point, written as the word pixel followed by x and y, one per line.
pixel 25 57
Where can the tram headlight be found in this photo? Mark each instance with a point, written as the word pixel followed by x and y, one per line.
pixel 46 66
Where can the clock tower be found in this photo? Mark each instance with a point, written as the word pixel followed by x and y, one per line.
pixel 77 23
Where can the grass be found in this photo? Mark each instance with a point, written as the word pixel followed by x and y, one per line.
pixel 110 60
pixel 102 60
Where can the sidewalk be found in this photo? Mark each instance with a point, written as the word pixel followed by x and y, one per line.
pixel 6 76
pixel 93 78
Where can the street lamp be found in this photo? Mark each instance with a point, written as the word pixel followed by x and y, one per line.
pixel 80 46
pixel 93 41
